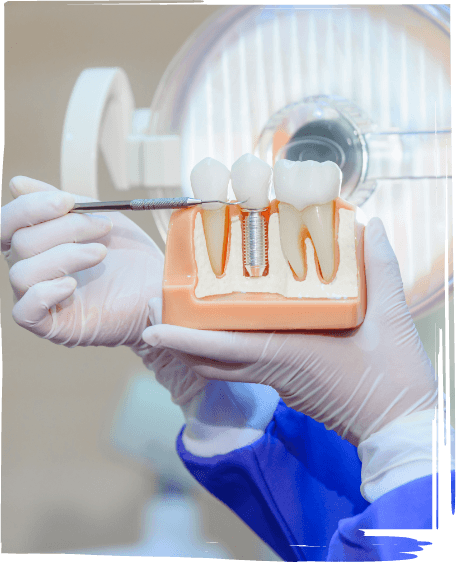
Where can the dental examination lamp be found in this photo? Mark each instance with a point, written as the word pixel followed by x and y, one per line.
pixel 367 87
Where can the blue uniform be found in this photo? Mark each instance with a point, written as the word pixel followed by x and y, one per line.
pixel 298 488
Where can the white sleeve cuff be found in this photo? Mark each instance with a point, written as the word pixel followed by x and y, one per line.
pixel 208 440
pixel 397 454
pixel 225 416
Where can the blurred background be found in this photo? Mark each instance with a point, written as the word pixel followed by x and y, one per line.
pixel 88 457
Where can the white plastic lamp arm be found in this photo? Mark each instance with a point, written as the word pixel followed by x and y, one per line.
pixel 99 113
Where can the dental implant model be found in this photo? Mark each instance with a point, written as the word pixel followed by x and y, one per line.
pixel 294 263
pixel 250 179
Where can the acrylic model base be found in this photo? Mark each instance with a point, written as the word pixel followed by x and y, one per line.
pixel 251 311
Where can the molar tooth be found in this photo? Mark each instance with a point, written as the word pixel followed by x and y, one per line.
pixel 310 187
pixel 209 179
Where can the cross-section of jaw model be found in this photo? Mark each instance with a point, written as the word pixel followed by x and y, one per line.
pixel 293 263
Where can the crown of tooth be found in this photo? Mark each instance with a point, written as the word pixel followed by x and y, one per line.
pixel 250 179
pixel 209 179
pixel 306 191
pixel 306 183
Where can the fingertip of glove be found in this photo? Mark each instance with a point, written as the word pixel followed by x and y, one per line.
pixel 96 250
pixel 102 250
pixel 375 228
pixel 70 281
pixel 104 222
pixel 22 185
pixel 63 202
pixel 19 185
pixel 67 284
pixel 50 204
pixel 150 337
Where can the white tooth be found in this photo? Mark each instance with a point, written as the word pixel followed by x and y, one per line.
pixel 311 188
pixel 209 179
pixel 290 228
pixel 250 179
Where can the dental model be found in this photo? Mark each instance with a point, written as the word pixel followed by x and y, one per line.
pixel 306 192
pixel 293 263
pixel 250 179
pixel 209 179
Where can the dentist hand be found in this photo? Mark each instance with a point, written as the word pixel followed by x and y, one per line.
pixel 86 279
pixel 219 416
pixel 78 279
pixel 355 383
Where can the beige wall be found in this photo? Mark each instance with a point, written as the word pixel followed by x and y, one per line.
pixel 63 487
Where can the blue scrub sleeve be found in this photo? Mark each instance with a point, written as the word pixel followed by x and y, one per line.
pixel 406 507
pixel 298 489
pixel 291 487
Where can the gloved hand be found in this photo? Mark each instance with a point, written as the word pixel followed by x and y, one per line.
pixel 78 279
pixel 74 291
pixel 355 383
pixel 220 416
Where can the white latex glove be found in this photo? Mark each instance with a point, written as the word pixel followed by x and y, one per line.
pixel 399 453
pixel 355 383
pixel 220 416
pixel 70 289
pixel 74 291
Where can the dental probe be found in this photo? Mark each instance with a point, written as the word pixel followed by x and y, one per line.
pixel 143 204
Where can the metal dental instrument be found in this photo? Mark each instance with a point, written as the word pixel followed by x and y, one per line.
pixel 143 204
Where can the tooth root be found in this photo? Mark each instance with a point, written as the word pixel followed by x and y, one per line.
pixel 319 220
pixel 216 233
pixel 290 227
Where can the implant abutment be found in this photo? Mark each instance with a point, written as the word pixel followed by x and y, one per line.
pixel 255 241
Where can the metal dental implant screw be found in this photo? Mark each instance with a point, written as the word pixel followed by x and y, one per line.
pixel 251 179
pixel 254 241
